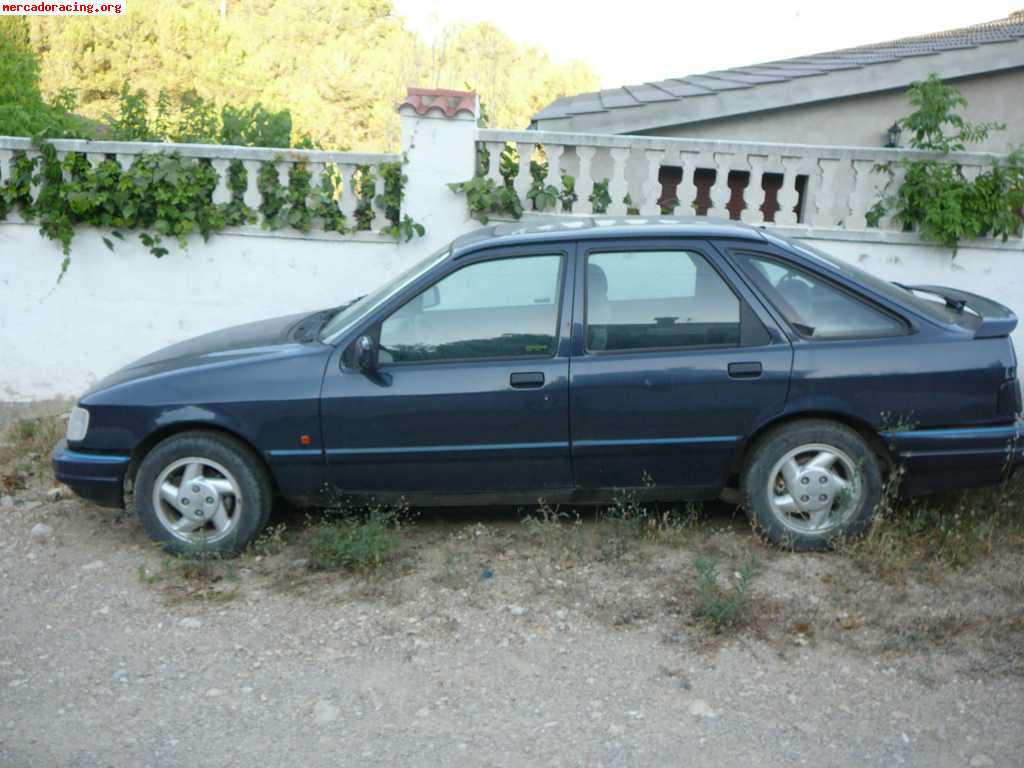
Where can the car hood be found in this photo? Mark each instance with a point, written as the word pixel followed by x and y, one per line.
pixel 260 339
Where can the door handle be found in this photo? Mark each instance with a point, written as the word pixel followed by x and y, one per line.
pixel 745 370
pixel 526 380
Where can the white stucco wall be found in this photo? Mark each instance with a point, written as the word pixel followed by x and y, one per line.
pixel 113 307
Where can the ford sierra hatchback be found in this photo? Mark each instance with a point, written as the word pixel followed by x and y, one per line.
pixel 684 359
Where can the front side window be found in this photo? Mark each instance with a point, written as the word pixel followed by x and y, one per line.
pixel 658 299
pixel 816 309
pixel 492 309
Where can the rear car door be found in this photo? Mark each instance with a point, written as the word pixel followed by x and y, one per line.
pixel 471 394
pixel 674 363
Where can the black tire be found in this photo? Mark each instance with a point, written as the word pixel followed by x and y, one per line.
pixel 238 459
pixel 844 524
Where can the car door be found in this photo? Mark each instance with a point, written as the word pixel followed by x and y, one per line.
pixel 471 393
pixel 674 363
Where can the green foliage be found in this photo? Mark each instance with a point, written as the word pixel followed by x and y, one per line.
pixel 485 199
pixel 256 126
pixel 327 197
pixel 192 119
pixel 722 607
pixel 599 197
pixel 338 66
pixel 936 105
pixel 23 110
pixel 236 212
pixel 390 201
pixel 361 541
pixel 364 187
pixel 934 196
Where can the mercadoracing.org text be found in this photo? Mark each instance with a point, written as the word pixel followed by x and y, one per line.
pixel 62 9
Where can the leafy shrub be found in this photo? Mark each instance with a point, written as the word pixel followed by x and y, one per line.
pixel 715 605
pixel 935 197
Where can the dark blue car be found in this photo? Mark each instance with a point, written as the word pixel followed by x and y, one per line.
pixel 566 361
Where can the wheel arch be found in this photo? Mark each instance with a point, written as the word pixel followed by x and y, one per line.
pixel 163 432
pixel 860 426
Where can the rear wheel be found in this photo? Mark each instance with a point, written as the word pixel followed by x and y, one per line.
pixel 810 483
pixel 202 493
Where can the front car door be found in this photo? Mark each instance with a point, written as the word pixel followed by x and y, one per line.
pixel 471 394
pixel 674 363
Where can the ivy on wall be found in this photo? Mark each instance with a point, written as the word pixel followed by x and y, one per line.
pixel 166 195
pixel 486 198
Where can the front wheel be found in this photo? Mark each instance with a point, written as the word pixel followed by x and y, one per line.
pixel 202 493
pixel 810 483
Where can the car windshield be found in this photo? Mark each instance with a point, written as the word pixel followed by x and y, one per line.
pixel 361 307
pixel 935 309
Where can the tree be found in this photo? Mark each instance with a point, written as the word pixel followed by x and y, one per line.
pixel 338 66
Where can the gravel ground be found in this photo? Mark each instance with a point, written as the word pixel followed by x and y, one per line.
pixel 488 644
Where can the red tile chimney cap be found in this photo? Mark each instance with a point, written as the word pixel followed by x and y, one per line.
pixel 448 103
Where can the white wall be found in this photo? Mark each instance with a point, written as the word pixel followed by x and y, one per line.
pixel 112 307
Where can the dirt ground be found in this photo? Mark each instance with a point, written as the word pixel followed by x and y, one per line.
pixel 489 642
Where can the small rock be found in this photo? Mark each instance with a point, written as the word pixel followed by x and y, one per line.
pixel 213 692
pixel 981 761
pixel 6 502
pixel 190 622
pixel 299 562
pixel 95 565
pixel 700 708
pixel 41 533
pixel 517 610
pixel 28 506
pixel 616 730
pixel 53 494
pixel 324 712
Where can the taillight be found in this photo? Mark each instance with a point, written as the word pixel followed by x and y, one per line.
pixel 1008 404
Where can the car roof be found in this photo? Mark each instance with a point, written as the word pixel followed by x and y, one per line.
pixel 560 228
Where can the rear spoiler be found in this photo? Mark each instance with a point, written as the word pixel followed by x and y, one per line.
pixel 996 320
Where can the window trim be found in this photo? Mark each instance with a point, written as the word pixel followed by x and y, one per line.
pixel 628 246
pixel 740 255
pixel 559 297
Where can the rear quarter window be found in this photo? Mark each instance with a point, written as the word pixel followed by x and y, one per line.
pixel 814 307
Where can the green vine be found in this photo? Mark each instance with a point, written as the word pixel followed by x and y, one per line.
pixel 166 195
pixel 327 197
pixel 599 198
pixel 935 197
pixel 236 212
pixel 399 226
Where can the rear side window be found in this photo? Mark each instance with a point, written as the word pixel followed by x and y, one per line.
pixel 656 300
pixel 815 308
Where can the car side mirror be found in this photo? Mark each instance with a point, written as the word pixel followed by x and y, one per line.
pixel 366 354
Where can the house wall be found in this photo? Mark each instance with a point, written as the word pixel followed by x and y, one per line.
pixel 864 120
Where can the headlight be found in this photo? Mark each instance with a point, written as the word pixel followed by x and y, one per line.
pixel 78 424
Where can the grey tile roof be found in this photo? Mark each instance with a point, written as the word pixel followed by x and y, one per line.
pixel 694 86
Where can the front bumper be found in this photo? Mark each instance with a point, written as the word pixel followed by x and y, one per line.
pixel 98 477
pixel 965 457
